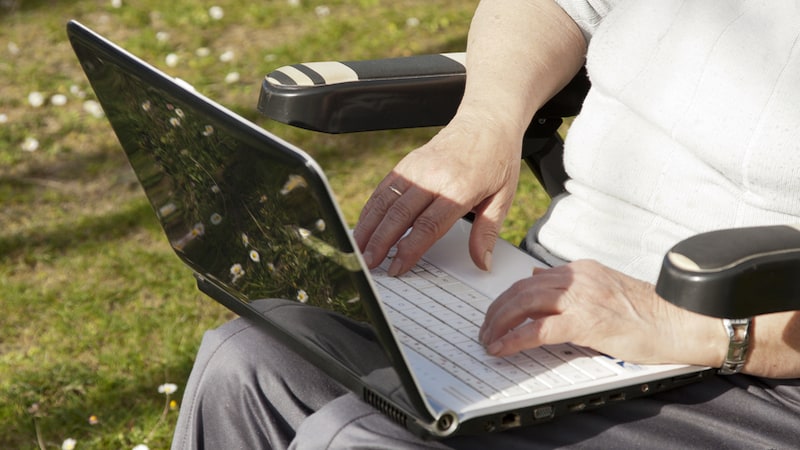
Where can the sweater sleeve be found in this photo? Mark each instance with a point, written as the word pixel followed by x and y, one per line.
pixel 588 14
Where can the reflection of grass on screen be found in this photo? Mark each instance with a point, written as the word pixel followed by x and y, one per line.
pixel 99 316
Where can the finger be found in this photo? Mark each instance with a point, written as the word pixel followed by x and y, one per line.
pixel 489 216
pixel 541 278
pixel 402 214
pixel 430 225
pixel 376 208
pixel 532 298
pixel 521 338
pixel 482 240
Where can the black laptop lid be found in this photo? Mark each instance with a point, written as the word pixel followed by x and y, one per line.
pixel 251 215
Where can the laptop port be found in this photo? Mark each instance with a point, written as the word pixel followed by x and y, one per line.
pixel 510 420
pixel 543 412
pixel 616 397
pixel 575 407
pixel 596 401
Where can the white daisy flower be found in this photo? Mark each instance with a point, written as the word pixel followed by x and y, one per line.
pixel 202 52
pixel 208 130
pixel 30 144
pixel 302 296
pixel 3 118
pixel 141 447
pixel 116 4
pixel 293 3
pixel 227 56
pixel 199 229
pixel 322 11
pixel 171 60
pixel 236 272
pixel 294 182
pixel 232 77
pixel 58 100
pixel 36 99
pixel 254 256
pixel 13 48
pixel 320 225
pixel 175 122
pixel 412 22
pixel 245 240
pixel 216 12
pixel 162 36
pixel 93 108
pixel 216 219
pixel 77 91
pixel 167 209
pixel 167 388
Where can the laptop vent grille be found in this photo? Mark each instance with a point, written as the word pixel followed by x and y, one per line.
pixel 385 407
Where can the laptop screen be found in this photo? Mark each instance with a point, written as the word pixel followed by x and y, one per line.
pixel 244 210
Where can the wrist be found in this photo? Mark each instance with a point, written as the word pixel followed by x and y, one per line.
pixel 738 331
pixel 698 340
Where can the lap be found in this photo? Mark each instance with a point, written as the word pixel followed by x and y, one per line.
pixel 730 412
pixel 248 387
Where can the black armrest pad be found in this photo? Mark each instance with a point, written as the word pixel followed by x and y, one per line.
pixel 349 96
pixel 344 97
pixel 734 273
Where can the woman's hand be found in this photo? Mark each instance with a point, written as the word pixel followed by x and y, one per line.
pixel 592 305
pixel 471 165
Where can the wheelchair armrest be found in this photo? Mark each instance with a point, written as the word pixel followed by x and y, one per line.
pixel 734 273
pixel 382 94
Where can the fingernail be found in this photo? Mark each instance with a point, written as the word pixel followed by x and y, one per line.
pixel 367 258
pixel 395 267
pixel 495 348
pixel 487 260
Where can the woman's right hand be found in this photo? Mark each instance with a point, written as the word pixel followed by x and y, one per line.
pixel 470 165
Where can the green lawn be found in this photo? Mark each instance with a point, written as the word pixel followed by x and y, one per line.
pixel 97 312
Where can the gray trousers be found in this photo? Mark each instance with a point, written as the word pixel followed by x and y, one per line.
pixel 248 391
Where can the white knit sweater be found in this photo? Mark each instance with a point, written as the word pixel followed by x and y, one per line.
pixel 692 124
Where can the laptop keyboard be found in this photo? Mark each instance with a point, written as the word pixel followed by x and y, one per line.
pixel 439 317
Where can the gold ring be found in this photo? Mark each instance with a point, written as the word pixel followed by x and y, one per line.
pixel 395 190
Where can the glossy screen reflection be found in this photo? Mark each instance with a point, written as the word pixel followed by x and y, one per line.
pixel 241 215
pixel 254 219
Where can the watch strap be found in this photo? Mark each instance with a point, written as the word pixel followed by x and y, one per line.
pixel 738 341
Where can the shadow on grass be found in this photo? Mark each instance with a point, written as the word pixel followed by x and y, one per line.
pixel 60 237
pixel 12 6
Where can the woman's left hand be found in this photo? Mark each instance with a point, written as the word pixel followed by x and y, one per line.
pixel 592 305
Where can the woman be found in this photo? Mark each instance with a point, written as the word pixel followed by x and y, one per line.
pixel 691 125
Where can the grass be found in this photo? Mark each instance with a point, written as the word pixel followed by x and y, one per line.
pixel 97 312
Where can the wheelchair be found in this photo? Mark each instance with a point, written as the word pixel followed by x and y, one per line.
pixel 732 273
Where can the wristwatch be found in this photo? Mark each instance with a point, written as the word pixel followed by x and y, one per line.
pixel 738 339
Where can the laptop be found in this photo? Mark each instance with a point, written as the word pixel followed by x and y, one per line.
pixel 256 221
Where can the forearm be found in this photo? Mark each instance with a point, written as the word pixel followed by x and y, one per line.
pixel 519 54
pixel 775 346
pixel 774 350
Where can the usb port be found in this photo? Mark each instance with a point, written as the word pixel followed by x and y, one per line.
pixel 616 397
pixel 597 401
